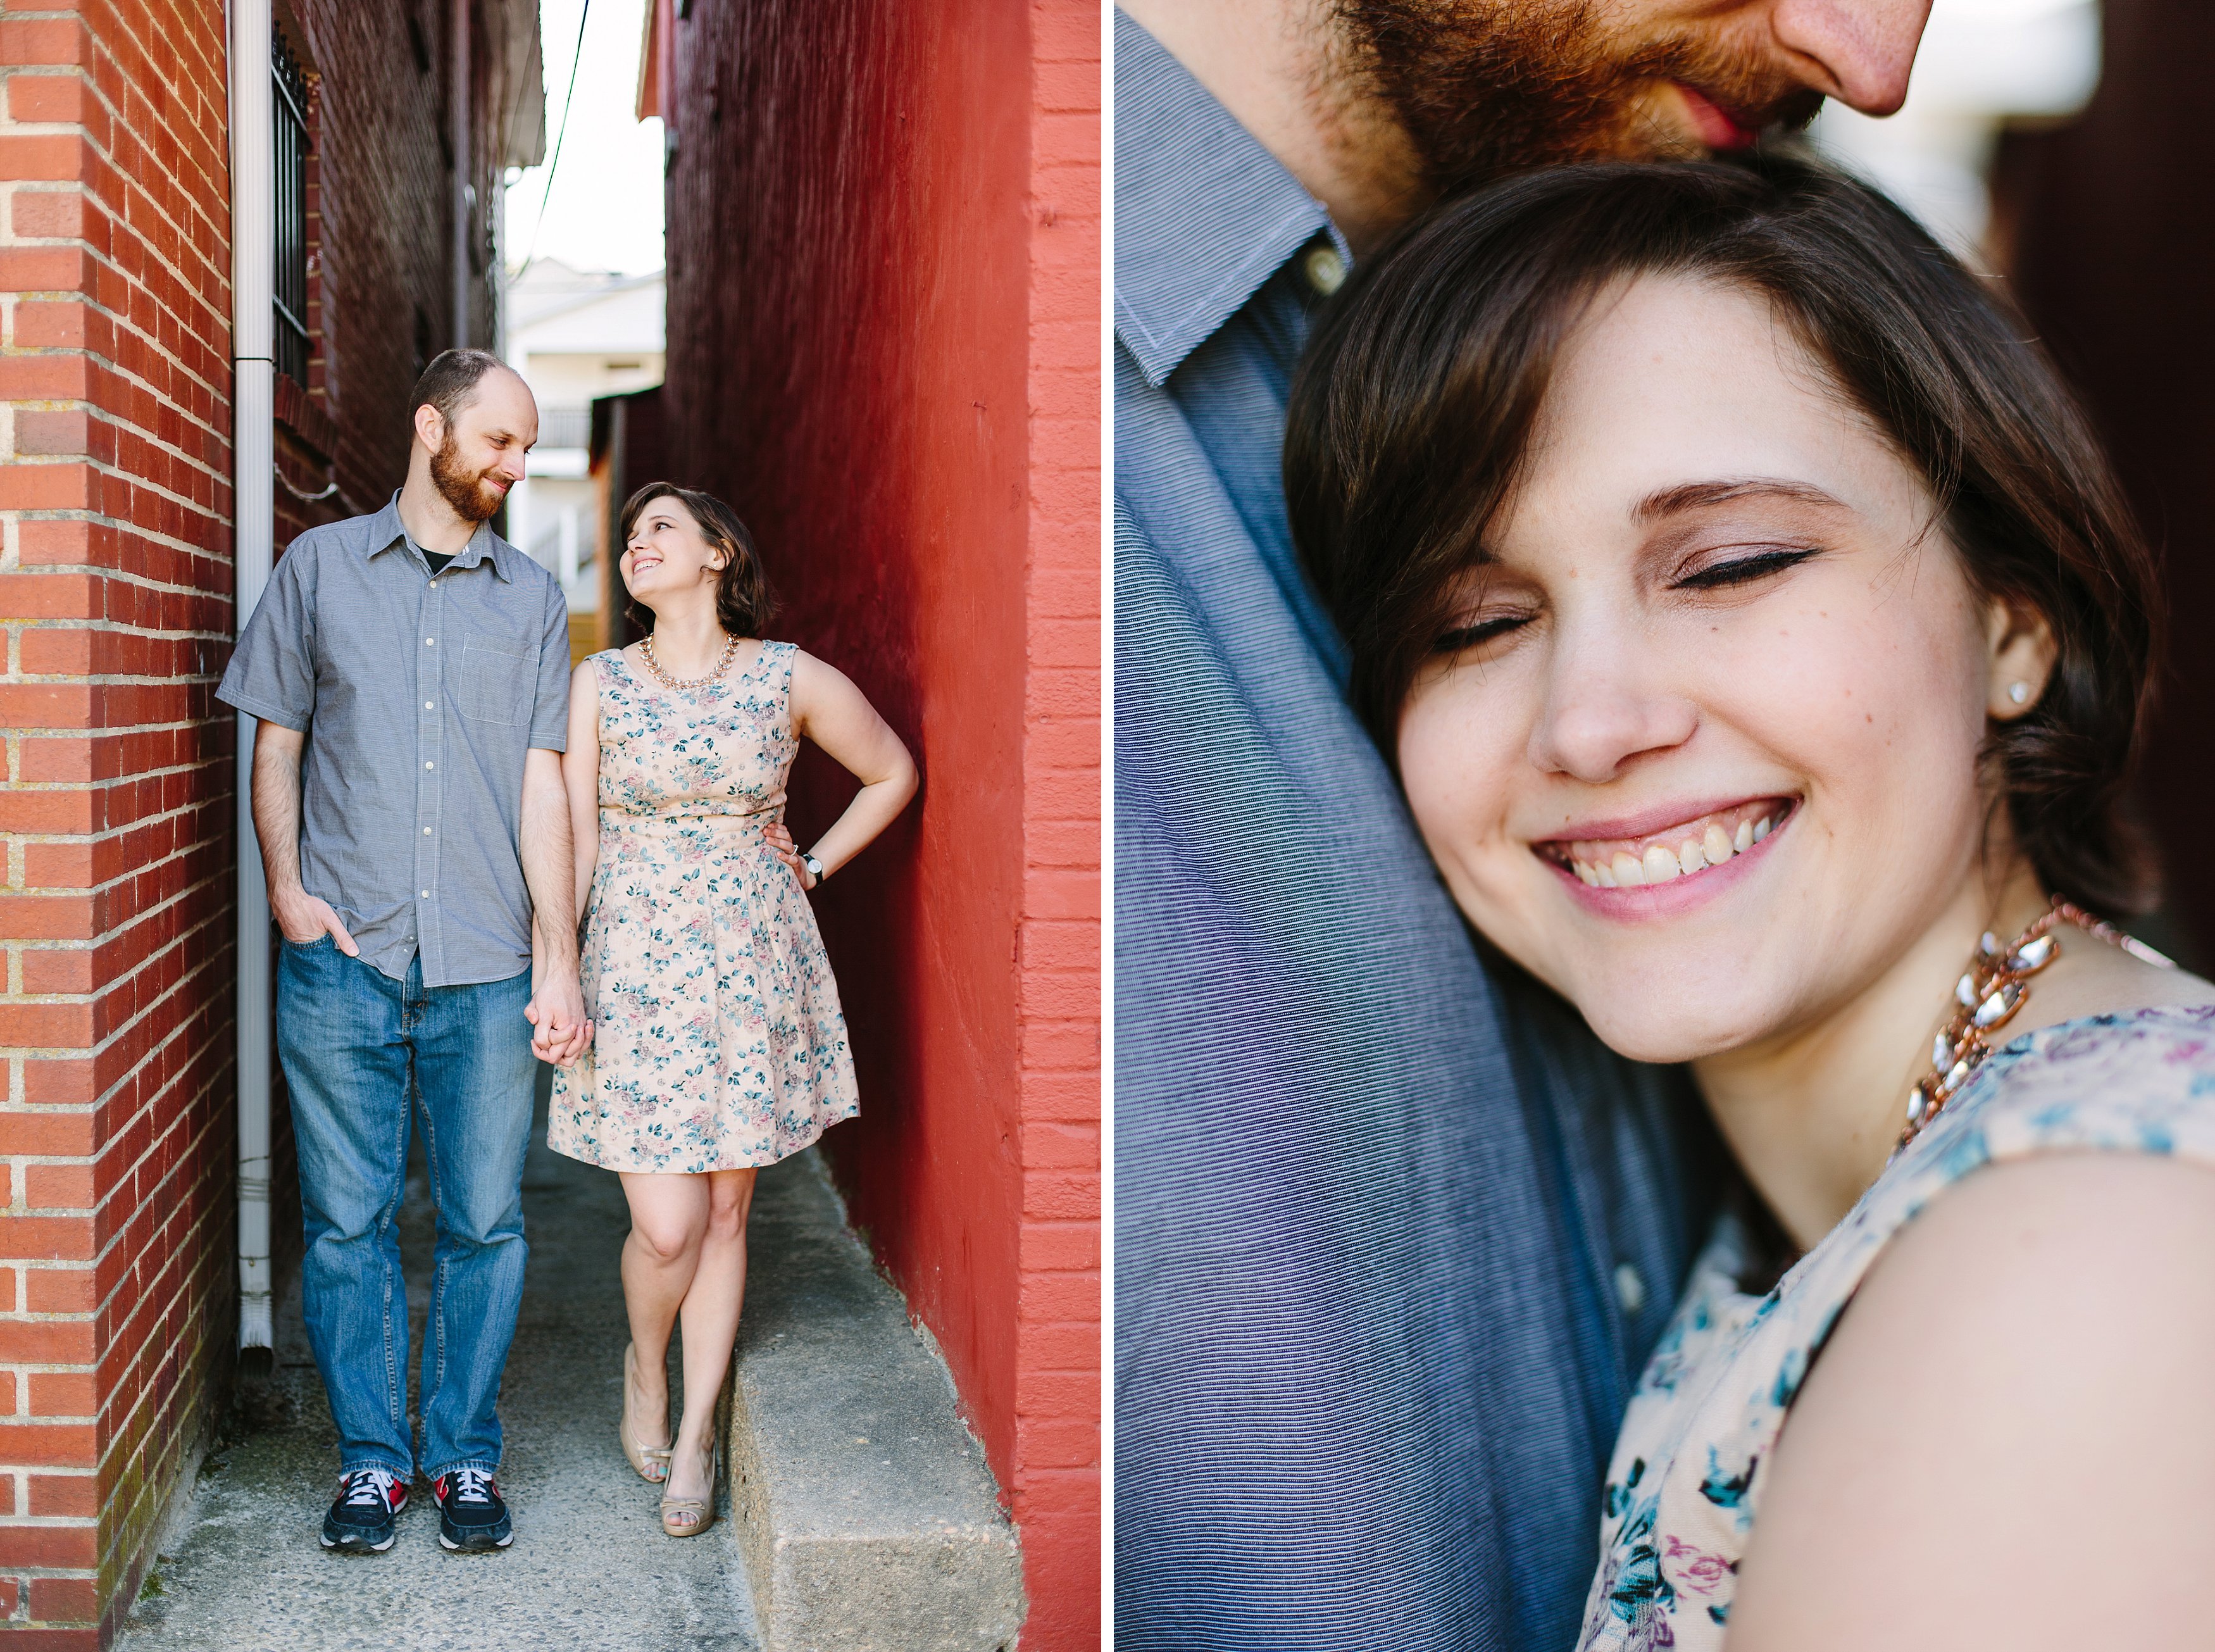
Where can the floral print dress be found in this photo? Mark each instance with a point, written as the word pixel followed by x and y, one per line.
pixel 718 1042
pixel 1685 1485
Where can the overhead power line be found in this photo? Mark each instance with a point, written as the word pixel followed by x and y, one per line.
pixel 554 164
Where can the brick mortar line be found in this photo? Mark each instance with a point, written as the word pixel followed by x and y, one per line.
pixel 93 409
pixel 106 468
pixel 82 1052
pixel 69 1000
pixel 98 570
pixel 13 352
pixel 26 352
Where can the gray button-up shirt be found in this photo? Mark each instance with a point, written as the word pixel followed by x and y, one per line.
pixel 418 697
pixel 1372 1201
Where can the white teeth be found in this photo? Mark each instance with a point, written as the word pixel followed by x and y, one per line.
pixel 1659 864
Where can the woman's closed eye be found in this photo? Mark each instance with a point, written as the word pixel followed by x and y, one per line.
pixel 1475 633
pixel 1744 569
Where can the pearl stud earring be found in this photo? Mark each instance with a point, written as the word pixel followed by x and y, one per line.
pixel 2018 692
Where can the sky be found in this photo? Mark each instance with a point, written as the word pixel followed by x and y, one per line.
pixel 605 211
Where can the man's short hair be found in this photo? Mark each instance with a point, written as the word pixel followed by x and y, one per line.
pixel 450 383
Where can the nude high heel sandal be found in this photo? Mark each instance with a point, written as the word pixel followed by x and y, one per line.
pixel 688 1517
pixel 651 1462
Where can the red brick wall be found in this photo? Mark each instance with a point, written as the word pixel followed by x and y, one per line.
pixel 378 287
pixel 115 1132
pixel 117 1140
pixel 884 322
pixel 1058 1390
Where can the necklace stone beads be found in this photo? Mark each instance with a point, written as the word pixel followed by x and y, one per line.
pixel 1986 999
pixel 654 665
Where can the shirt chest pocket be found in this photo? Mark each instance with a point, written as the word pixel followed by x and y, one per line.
pixel 496 683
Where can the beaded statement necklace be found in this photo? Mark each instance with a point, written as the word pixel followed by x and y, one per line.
pixel 654 665
pixel 1986 999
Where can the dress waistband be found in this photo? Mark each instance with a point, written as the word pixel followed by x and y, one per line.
pixel 613 821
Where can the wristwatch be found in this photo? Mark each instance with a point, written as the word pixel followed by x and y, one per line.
pixel 814 868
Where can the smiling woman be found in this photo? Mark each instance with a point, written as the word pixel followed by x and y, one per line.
pixel 1756 637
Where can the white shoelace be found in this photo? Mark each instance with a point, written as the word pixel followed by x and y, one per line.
pixel 471 1485
pixel 367 1487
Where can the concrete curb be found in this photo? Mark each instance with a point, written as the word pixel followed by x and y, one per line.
pixel 867 1518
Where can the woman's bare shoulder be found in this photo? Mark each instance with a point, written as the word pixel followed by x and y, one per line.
pixel 2022 1373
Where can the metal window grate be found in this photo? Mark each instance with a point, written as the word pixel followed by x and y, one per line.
pixel 289 158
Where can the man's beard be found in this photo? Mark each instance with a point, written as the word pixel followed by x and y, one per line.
pixel 1485 87
pixel 462 488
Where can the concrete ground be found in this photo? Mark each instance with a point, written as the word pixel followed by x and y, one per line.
pixel 589 1569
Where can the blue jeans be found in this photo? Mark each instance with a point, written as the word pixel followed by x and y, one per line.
pixel 361 1053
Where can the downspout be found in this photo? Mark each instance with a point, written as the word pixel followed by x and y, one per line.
pixel 458 93
pixel 253 296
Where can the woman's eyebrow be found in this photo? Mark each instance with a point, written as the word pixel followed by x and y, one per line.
pixel 1693 495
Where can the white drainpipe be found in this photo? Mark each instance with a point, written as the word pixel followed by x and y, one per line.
pixel 253 282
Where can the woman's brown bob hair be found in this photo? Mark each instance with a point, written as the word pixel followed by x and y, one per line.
pixel 1410 416
pixel 743 602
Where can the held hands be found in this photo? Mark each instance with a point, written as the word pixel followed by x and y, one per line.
pixel 781 846
pixel 302 919
pixel 557 1011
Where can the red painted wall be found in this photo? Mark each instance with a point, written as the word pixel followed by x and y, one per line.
pixel 884 312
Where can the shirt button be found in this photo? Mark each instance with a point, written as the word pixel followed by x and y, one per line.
pixel 1629 1288
pixel 427 706
pixel 426 893
pixel 427 832
pixel 430 642
pixel 1326 270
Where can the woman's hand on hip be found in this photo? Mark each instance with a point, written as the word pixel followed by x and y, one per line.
pixel 782 845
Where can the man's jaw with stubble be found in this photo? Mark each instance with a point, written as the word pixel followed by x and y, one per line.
pixel 467 492
pixel 1474 90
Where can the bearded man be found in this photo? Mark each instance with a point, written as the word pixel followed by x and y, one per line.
pixel 1394 1235
pixel 410 670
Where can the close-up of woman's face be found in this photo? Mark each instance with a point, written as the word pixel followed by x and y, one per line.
pixel 1700 745
pixel 667 552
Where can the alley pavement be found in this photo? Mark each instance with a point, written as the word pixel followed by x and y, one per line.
pixel 590 1570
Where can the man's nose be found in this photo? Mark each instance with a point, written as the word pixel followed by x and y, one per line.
pixel 1864 48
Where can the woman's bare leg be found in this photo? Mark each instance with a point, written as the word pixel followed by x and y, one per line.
pixel 669 1222
pixel 711 1325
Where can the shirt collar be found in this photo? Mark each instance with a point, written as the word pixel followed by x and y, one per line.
pixel 1204 215
pixel 386 529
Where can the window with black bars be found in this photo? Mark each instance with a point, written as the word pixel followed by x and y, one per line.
pixel 289 157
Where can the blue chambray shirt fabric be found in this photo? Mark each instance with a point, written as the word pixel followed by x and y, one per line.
pixel 1373 1205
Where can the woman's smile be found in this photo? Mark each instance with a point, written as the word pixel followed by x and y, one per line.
pixel 1601 861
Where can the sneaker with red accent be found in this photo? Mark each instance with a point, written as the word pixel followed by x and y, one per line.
pixel 361 1518
pixel 471 1516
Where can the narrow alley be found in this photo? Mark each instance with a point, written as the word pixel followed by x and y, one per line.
pixel 589 1569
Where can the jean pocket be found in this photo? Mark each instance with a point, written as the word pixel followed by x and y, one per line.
pixel 326 939
pixel 496 684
